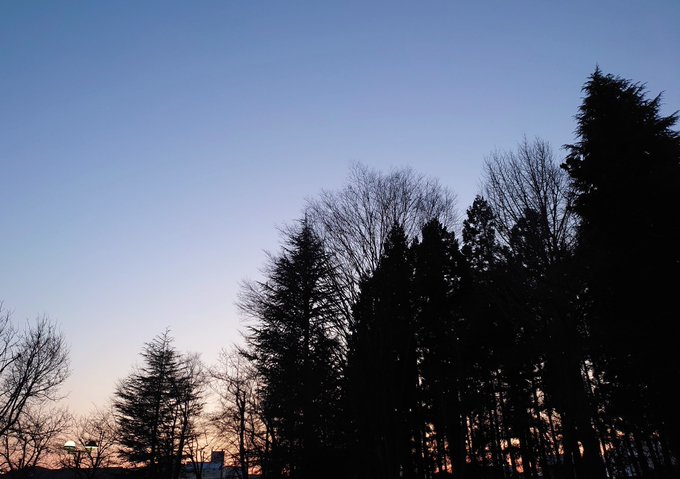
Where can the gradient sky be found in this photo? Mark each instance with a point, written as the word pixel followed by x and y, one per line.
pixel 149 149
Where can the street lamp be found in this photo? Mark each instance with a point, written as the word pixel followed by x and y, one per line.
pixel 71 447
pixel 91 447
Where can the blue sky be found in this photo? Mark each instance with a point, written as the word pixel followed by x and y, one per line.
pixel 150 149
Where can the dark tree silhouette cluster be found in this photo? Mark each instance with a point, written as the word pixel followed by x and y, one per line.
pixel 537 341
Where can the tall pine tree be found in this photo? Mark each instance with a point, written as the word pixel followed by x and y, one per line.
pixel 382 369
pixel 296 351
pixel 440 286
pixel 625 168
pixel 155 407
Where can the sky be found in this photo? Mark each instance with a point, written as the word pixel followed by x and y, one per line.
pixel 150 150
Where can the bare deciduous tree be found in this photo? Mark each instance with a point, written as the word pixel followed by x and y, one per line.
pixel 354 222
pixel 98 429
pixel 33 364
pixel 200 444
pixel 31 438
pixel 190 397
pixel 237 417
pixel 529 179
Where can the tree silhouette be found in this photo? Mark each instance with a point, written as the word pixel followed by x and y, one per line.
pixel 237 419
pixel 543 347
pixel 354 222
pixel 155 405
pixel 440 286
pixel 625 169
pixel 383 367
pixel 293 345
pixel 33 364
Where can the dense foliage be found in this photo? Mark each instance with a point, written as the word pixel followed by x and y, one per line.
pixel 539 344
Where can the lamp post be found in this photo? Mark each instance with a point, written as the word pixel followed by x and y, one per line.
pixel 90 448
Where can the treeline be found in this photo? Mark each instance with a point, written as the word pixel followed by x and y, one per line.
pixel 537 340
pixel 533 336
